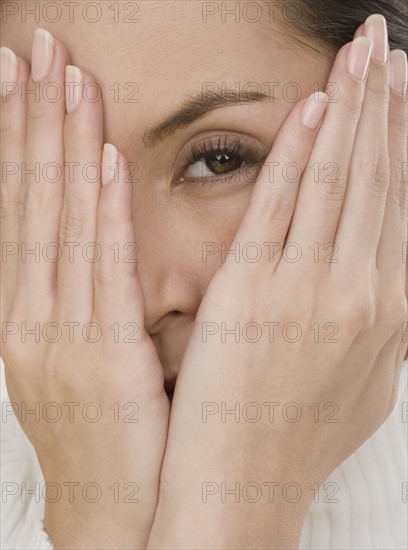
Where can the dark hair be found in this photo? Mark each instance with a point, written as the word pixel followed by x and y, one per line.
pixel 335 21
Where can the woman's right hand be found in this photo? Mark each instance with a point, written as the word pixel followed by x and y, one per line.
pixel 104 380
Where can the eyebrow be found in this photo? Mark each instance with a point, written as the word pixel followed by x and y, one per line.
pixel 197 107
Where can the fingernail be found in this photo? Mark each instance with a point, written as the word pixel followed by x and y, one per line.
pixel 313 109
pixel 375 28
pixel 43 54
pixel 73 87
pixel 8 71
pixel 359 31
pixel 358 57
pixel 399 72
pixel 109 163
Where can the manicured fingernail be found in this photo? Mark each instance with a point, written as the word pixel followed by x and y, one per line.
pixel 359 31
pixel 109 163
pixel 313 109
pixel 42 55
pixel 358 57
pixel 375 28
pixel 8 71
pixel 399 72
pixel 73 87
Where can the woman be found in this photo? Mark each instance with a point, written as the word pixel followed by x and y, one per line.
pixel 222 221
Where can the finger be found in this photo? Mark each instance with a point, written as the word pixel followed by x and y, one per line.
pixel 41 190
pixel 269 213
pixel 83 142
pixel 118 293
pixel 322 189
pixel 391 255
pixel 15 73
pixel 359 31
pixel 362 216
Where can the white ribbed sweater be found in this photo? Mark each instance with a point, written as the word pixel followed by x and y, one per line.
pixel 371 512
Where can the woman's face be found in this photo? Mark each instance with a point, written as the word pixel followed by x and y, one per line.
pixel 178 52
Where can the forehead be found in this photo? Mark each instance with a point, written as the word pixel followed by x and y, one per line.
pixel 149 56
pixel 160 39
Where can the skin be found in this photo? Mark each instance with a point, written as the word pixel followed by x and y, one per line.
pixel 167 289
pixel 176 282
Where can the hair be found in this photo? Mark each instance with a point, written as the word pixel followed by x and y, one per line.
pixel 335 21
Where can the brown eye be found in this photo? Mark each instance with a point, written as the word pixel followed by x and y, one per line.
pixel 224 159
pixel 223 163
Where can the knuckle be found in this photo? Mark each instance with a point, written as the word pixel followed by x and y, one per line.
pixel 71 227
pixel 28 201
pixel 108 215
pixel 332 192
pixel 373 166
pixel 351 108
pixel 37 202
pixel 398 194
pixel 365 313
pixel 37 111
pixel 378 87
pixel 333 189
pixel 15 354
pixel 361 312
pixel 381 173
pixel 104 275
pixel 398 122
pixel 7 126
pixel 394 309
pixel 272 205
pixel 288 148
pixel 280 208
pixel 8 203
pixel 7 353
pixel 46 106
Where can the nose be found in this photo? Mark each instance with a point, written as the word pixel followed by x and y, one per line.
pixel 168 270
pixel 172 273
pixel 169 292
pixel 171 299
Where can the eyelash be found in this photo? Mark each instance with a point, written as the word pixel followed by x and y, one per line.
pixel 231 146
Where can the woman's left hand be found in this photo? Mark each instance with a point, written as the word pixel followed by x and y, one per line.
pixel 295 356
